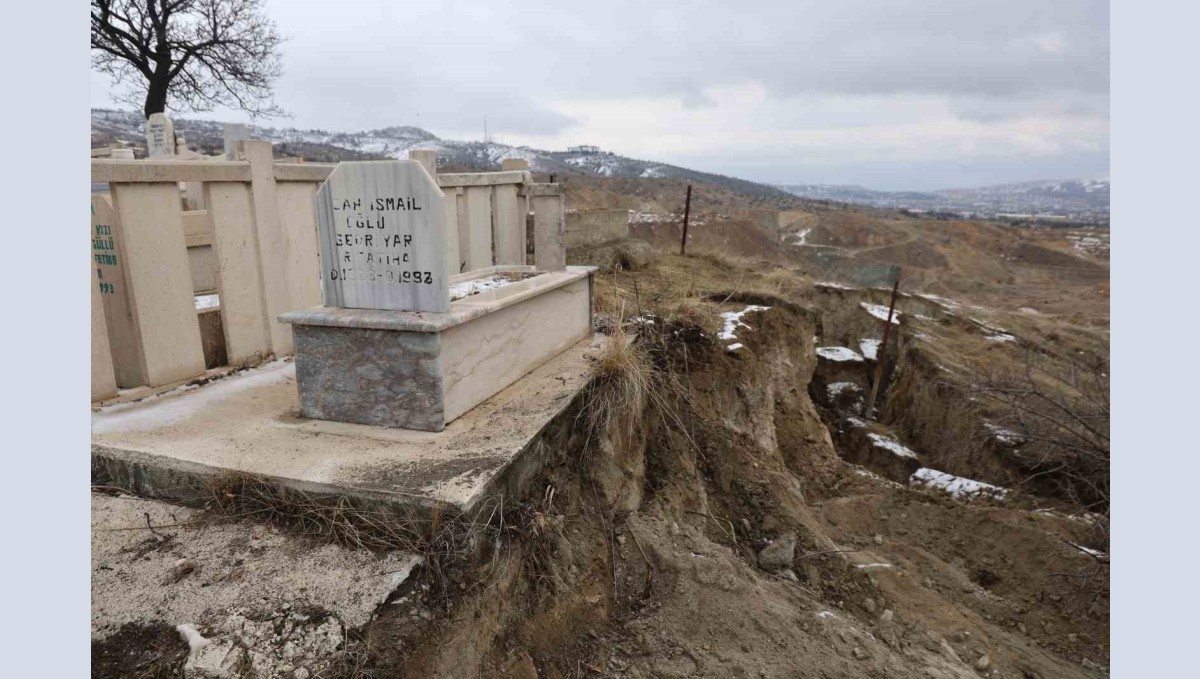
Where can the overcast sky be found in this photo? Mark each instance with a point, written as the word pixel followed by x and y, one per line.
pixel 918 94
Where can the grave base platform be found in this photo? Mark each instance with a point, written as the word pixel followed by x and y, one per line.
pixel 173 445
pixel 421 370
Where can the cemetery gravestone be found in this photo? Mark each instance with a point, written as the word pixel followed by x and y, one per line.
pixel 109 267
pixel 382 237
pixel 160 136
pixel 233 133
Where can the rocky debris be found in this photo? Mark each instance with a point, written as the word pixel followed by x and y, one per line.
pixel 200 573
pixel 984 662
pixel 779 554
pixel 180 570
pixel 287 642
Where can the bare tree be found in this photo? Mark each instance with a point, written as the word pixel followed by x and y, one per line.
pixel 197 54
pixel 1060 414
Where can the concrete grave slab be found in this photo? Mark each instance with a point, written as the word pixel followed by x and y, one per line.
pixel 249 422
pixel 421 370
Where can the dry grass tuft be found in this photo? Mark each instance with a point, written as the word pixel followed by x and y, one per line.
pixel 439 538
pixel 607 297
pixel 623 379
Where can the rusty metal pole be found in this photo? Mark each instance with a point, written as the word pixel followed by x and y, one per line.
pixel 881 355
pixel 687 211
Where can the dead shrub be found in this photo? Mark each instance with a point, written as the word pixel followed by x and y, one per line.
pixel 1059 411
pixel 440 538
pixel 622 381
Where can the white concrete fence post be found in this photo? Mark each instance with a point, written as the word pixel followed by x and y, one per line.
pixel 239 280
pixel 271 242
pixel 160 281
pixel 549 227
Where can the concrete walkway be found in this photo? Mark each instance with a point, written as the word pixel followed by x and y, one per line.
pixel 169 445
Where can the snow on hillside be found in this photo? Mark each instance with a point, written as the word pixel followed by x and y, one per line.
pixel 397 141
pixel 1080 200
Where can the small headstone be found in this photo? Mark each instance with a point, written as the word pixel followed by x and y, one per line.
pixel 382 237
pixel 109 269
pixel 234 132
pixel 160 136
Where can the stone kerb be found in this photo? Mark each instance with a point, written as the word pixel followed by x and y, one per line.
pixel 382 237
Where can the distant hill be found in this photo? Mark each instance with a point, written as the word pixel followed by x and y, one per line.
pixel 394 142
pixel 1075 200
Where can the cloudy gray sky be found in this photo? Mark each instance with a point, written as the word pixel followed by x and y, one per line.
pixel 915 94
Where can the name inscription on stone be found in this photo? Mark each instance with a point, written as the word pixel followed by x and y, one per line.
pixel 382 238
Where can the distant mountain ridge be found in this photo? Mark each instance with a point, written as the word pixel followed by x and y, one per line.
pixel 1083 200
pixel 395 142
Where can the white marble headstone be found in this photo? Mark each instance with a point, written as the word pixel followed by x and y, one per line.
pixel 160 136
pixel 382 237
pixel 233 133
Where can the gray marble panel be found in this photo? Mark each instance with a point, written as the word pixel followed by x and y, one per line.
pixel 378 377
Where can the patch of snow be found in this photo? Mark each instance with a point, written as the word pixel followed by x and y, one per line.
pixel 636 217
pixel 1094 553
pixel 734 347
pixel 866 473
pixel 957 486
pixel 870 348
pixel 733 321
pixel 206 302
pixel 475 286
pixel 944 302
pixel 891 444
pixel 825 614
pixel 855 422
pixel 801 237
pixel 833 286
pixel 839 354
pixel 873 566
pixel 192 636
pixel 167 408
pixel 988 326
pixel 1001 337
pixel 1030 311
pixel 1003 435
pixel 881 312
pixel 838 388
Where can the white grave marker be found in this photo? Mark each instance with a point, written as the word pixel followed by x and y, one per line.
pixel 382 237
pixel 160 136
pixel 233 133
